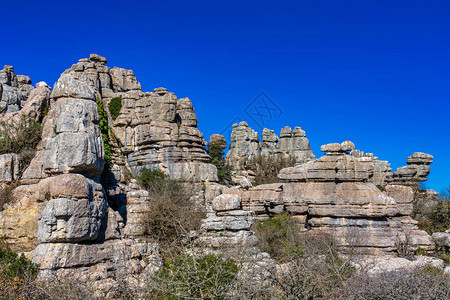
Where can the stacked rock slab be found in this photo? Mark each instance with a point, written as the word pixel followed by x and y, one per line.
pixel 14 90
pixel 245 146
pixel 381 168
pixel 153 129
pixel 333 194
pixel 417 169
pixel 60 215
pixel 227 226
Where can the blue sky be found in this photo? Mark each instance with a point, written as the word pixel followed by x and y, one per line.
pixel 373 72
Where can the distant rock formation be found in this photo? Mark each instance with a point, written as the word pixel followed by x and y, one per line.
pixel 417 169
pixel 14 90
pixel 245 146
pixel 333 194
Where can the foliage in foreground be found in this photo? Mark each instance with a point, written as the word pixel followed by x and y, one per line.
pixel 187 277
pixel 172 213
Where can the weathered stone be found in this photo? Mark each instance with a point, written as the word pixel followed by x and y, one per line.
pixel 419 158
pixel 70 87
pixel 73 218
pixel 226 202
pixel 9 167
pixel 219 140
pixel 333 147
pixel 245 147
pixel 442 240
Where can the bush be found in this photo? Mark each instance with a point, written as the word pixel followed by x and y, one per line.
pixel 15 270
pixel 314 272
pixel 6 194
pixel 215 151
pixel 21 138
pixel 104 128
pixel 267 168
pixel 432 213
pixel 420 283
pixel 172 213
pixel 279 236
pixel 114 107
pixel 188 277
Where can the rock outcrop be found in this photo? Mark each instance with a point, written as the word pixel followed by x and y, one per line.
pixel 334 194
pixel 227 225
pixel 417 169
pixel 245 147
pixel 152 129
pixel 14 90
pixel 79 214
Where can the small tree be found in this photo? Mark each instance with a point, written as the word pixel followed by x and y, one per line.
pixel 215 151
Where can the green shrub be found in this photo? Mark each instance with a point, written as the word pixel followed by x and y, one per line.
pixel 21 138
pixel 432 213
pixel 420 283
pixel 215 151
pixel 104 128
pixel 172 213
pixel 279 236
pixel 15 270
pixel 266 168
pixel 187 277
pixel 6 194
pixel 114 107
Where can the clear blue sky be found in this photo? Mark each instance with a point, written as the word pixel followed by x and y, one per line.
pixel 373 72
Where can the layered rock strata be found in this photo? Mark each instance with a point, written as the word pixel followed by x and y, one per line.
pixel 14 90
pixel 417 169
pixel 153 129
pixel 333 194
pixel 245 147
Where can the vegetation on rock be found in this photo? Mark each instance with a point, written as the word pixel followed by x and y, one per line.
pixel 21 138
pixel 215 151
pixel 187 277
pixel 266 168
pixel 104 128
pixel 172 212
pixel 433 213
pixel 114 107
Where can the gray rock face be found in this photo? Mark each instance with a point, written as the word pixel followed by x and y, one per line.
pixel 442 240
pixel 75 144
pixel 381 168
pixel 294 142
pixel 416 171
pixel 153 130
pixel 245 147
pixel 9 167
pixel 227 226
pixel 218 139
pixel 73 218
pixel 334 194
pixel 14 90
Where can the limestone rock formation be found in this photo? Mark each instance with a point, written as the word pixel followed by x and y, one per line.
pixel 14 90
pixel 227 225
pixel 417 169
pixel 245 147
pixel 334 194
pixel 381 168
pixel 9 167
